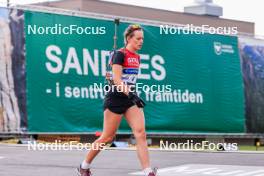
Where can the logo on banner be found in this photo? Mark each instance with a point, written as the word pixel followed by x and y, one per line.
pixel 220 48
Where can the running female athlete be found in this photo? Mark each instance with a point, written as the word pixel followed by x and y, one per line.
pixel 121 101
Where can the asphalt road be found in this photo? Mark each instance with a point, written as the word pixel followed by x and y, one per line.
pixel 19 161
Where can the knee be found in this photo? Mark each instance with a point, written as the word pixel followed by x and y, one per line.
pixel 106 139
pixel 140 134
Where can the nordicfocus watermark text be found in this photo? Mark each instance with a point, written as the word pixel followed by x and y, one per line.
pixel 138 87
pixel 58 29
pixel 191 29
pixel 204 145
pixel 59 145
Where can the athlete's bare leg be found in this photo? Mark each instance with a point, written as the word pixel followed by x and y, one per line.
pixel 136 120
pixel 111 124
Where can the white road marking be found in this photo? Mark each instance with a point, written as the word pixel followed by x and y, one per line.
pixel 1 157
pixel 209 170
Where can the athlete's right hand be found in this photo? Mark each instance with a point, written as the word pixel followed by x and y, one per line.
pixel 136 99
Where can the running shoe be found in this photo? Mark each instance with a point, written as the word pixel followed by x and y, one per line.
pixel 154 172
pixel 83 172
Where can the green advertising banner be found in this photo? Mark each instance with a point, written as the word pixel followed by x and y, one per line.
pixel 66 57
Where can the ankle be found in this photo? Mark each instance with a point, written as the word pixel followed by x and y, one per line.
pixel 147 171
pixel 85 165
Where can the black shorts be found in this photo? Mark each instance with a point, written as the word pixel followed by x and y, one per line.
pixel 117 102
